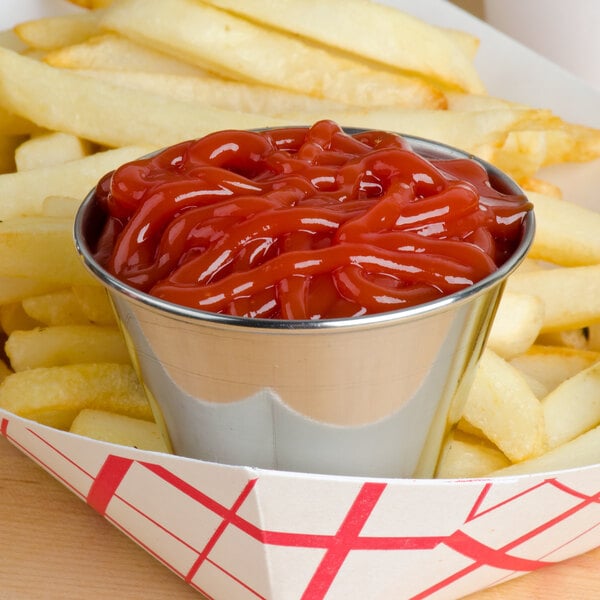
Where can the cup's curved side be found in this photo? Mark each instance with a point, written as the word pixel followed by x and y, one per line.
pixel 360 401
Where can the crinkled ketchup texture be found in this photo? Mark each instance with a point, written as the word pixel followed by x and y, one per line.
pixel 303 223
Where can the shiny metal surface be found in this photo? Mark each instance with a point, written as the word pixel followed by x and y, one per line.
pixel 369 396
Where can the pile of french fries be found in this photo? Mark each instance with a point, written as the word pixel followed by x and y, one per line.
pixel 83 93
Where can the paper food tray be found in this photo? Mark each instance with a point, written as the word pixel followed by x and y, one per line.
pixel 243 533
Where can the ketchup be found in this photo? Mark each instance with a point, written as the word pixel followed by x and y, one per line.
pixel 303 223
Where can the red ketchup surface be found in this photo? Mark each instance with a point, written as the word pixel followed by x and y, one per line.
pixel 303 223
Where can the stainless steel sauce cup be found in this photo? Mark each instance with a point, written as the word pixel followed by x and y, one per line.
pixel 367 396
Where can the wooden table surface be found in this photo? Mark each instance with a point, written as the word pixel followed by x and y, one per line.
pixel 53 546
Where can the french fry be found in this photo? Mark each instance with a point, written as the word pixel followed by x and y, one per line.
pixel 15 289
pixel 580 452
pixel 43 248
pixel 539 388
pixel 542 142
pixel 23 193
pixel 60 206
pixel 213 91
pixel 529 265
pixel 516 325
pixel 469 430
pixel 594 337
pixel 55 395
pixel 372 31
pixel 14 318
pixel 573 407
pixel 468 130
pixel 115 53
pixel 571 296
pixel 503 407
pixel 48 33
pixel 107 114
pixel 11 124
pixel 468 43
pixel 583 144
pixel 465 457
pixel 567 234
pixel 200 34
pixel 50 149
pixel 55 308
pixel 521 153
pixel 93 4
pixel 551 365
pixel 465 101
pixel 566 338
pixel 65 345
pixel 94 303
pixel 119 429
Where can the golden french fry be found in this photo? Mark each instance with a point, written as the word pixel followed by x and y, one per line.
pixel 521 153
pixel 573 407
pixel 528 265
pixel 23 193
pixel 540 142
pixel 539 388
pixel 199 34
pixel 582 144
pixel 571 295
pixel 93 4
pixel 566 233
pixel 55 308
pixel 50 149
pixel 115 53
pixel 11 124
pixel 541 186
pixel 465 457
pixel 55 395
pixel 14 289
pixel 54 32
pixel 503 407
pixel 43 248
pixel 94 303
pixel 14 318
pixel 567 338
pixel 466 101
pixel 593 337
pixel 372 31
pixel 469 44
pixel 119 429
pixel 108 114
pixel 65 345
pixel 471 131
pixel 221 93
pixel 516 325
pixel 60 206
pixel 551 365
pixel 580 452
pixel 470 430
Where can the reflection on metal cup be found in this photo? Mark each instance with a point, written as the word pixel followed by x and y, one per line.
pixel 368 396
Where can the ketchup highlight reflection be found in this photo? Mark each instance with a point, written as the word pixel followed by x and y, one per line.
pixel 303 223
